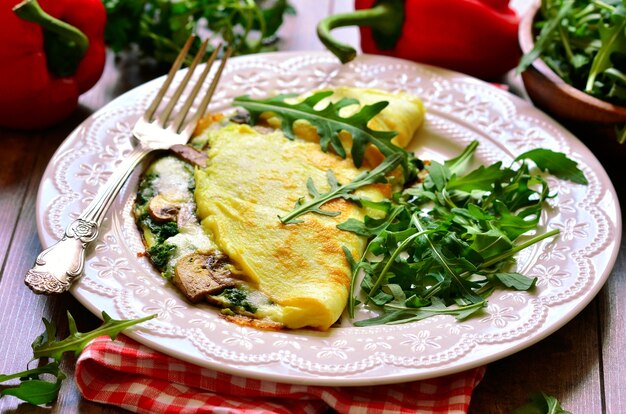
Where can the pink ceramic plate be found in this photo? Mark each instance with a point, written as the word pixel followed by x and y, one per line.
pixel 570 269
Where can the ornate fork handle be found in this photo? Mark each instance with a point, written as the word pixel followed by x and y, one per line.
pixel 57 266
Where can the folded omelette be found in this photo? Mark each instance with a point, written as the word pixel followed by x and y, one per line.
pixel 210 218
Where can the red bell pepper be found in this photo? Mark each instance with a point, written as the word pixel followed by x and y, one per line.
pixel 476 37
pixel 48 58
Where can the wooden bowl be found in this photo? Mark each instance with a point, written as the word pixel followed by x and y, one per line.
pixel 592 120
pixel 559 99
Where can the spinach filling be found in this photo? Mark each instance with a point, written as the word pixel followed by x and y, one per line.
pixel 238 298
pixel 160 252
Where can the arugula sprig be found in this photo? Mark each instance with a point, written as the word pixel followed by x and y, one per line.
pixel 541 403
pixel 329 124
pixel 37 390
pixel 451 239
pixel 345 191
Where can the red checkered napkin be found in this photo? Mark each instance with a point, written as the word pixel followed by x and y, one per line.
pixel 129 375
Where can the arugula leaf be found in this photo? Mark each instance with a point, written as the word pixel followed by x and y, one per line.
pixel 541 403
pixel 491 242
pixel 47 346
pixel 542 41
pixel 516 280
pixel 438 174
pixel 35 390
pixel 369 226
pixel 613 40
pixel 456 164
pixel 405 314
pixel 479 179
pixel 377 175
pixel 329 124
pixel 556 163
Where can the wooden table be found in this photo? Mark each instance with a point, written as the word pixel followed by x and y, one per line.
pixel 583 364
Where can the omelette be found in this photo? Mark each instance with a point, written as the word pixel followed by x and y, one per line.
pixel 209 216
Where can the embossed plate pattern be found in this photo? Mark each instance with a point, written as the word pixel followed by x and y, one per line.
pixel 570 269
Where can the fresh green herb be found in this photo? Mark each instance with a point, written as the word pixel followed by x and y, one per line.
pixel 377 175
pixel 35 390
pixel 451 239
pixel 556 163
pixel 329 124
pixel 541 403
pixel 159 28
pixel 585 44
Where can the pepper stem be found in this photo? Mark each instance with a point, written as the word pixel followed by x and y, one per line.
pixel 31 11
pixel 385 19
pixel 65 44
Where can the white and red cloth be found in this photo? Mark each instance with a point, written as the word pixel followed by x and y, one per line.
pixel 127 374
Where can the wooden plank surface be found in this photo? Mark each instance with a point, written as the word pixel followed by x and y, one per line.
pixel 612 335
pixel 583 364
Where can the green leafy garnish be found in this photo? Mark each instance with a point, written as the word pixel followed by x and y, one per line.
pixel 32 389
pixel 157 29
pixel 377 175
pixel 35 390
pixel 447 243
pixel 329 124
pixel 556 163
pixel 541 403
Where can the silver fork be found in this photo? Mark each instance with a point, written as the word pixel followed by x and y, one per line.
pixel 59 265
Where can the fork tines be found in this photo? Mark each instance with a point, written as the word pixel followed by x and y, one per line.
pixel 177 124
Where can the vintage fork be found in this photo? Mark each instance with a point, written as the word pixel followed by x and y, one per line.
pixel 59 265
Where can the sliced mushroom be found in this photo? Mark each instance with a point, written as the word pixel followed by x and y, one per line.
pixel 198 275
pixel 161 209
pixel 190 155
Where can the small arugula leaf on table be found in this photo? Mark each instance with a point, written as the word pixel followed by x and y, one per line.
pixel 32 389
pixel 329 124
pixel 35 390
pixel 541 403
pixel 48 346
pixel 377 175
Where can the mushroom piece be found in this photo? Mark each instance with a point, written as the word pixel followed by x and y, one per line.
pixel 198 275
pixel 190 155
pixel 161 209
